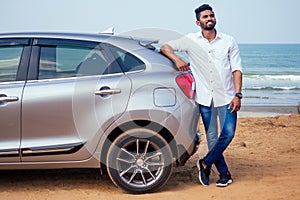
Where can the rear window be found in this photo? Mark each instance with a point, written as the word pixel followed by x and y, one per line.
pixel 126 60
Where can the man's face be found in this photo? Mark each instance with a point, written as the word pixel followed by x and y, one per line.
pixel 207 20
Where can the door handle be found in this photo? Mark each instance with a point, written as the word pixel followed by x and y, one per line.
pixel 107 92
pixel 5 99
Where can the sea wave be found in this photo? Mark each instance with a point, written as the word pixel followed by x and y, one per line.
pixel 272 88
pixel 256 97
pixel 274 77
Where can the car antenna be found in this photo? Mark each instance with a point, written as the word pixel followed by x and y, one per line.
pixel 109 31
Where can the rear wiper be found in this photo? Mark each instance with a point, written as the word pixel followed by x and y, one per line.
pixel 148 43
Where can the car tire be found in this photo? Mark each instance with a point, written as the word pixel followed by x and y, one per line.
pixel 139 161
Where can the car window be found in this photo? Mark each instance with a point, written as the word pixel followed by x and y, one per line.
pixel 127 61
pixel 64 61
pixel 9 62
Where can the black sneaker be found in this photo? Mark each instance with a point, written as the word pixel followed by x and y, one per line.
pixel 203 173
pixel 224 180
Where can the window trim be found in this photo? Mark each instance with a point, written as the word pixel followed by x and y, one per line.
pixel 14 41
pixel 65 42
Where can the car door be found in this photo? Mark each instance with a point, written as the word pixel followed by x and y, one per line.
pixel 14 55
pixel 74 93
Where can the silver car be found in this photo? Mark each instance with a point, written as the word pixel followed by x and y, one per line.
pixel 94 101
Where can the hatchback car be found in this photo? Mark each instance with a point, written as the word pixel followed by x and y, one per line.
pixel 94 101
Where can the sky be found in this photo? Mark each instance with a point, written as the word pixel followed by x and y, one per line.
pixel 255 21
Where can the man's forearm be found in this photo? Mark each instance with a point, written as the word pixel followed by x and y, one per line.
pixel 237 81
pixel 168 51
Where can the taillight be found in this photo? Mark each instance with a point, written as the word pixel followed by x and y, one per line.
pixel 186 83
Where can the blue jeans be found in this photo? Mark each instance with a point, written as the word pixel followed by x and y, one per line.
pixel 217 145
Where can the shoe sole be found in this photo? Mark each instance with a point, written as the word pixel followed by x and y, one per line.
pixel 224 184
pixel 199 174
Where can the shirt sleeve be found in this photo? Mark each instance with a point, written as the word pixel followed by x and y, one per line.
pixel 180 44
pixel 234 56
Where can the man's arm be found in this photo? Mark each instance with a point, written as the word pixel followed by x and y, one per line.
pixel 168 51
pixel 237 81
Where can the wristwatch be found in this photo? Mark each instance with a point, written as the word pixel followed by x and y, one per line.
pixel 239 95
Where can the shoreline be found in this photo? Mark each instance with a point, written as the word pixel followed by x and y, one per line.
pixel 251 111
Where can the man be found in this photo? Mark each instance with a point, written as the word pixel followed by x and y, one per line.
pixel 216 65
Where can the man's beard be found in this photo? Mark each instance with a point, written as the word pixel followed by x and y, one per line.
pixel 208 28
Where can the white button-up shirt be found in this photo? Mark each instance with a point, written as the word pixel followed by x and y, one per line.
pixel 212 64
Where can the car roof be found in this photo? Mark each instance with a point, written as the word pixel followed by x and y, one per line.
pixel 57 35
pixel 100 37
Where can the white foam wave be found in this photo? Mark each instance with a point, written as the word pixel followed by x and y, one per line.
pixel 271 88
pixel 274 77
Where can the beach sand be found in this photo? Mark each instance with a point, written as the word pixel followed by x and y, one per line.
pixel 264 159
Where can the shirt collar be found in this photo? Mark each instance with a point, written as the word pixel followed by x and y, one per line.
pixel 219 35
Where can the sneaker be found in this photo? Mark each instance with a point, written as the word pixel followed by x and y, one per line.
pixel 204 173
pixel 224 180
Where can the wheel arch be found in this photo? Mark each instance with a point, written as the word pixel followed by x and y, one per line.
pixel 161 130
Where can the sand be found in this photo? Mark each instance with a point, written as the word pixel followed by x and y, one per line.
pixel 264 159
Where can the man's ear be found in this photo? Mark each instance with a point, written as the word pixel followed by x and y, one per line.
pixel 198 23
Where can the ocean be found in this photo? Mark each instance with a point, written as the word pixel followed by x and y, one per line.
pixel 271 74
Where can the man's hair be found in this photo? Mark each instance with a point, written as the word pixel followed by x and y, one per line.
pixel 202 8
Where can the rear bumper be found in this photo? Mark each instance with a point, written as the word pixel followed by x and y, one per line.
pixel 185 154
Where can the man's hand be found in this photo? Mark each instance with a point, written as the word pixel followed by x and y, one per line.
pixel 182 65
pixel 236 104
pixel 169 52
pixel 237 81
